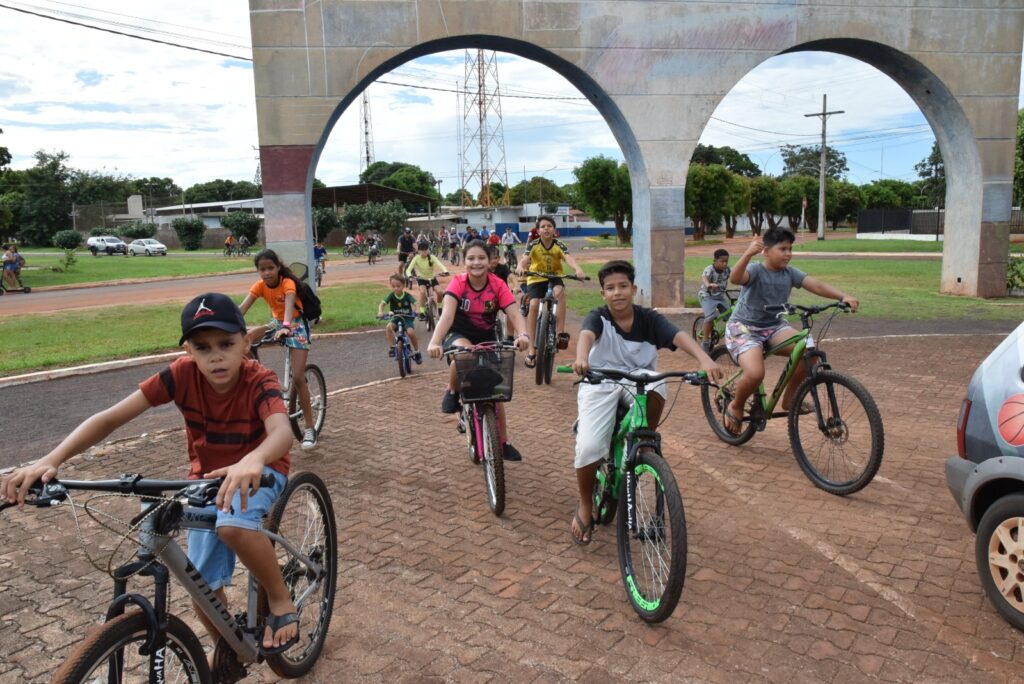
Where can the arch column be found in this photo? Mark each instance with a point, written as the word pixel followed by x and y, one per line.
pixel 287 219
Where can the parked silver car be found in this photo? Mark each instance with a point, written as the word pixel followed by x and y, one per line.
pixel 147 246
pixel 986 477
pixel 106 244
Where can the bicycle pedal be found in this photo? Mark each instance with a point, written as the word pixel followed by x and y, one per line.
pixel 226 668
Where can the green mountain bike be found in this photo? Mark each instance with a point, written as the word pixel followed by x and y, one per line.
pixel 636 487
pixel 835 427
pixel 718 321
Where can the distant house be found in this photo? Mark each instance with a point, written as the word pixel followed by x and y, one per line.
pixel 209 212
pixel 521 218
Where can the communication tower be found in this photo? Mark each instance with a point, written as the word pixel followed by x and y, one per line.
pixel 483 138
pixel 366 135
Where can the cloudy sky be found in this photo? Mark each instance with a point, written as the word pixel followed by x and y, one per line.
pixel 145 109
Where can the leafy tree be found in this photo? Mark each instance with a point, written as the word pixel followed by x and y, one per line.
pixel 603 190
pixel 805 160
pixel 318 184
pixel 67 239
pixel 99 230
pixel 5 157
pixel 158 189
pixel 137 230
pixel 401 176
pixel 325 220
pixel 707 193
pixel 190 231
pixel 842 202
pixel 932 172
pixel 221 190
pixel 1018 165
pixel 497 195
pixel 46 203
pixel 537 189
pixel 737 202
pixel 792 191
pixel 732 159
pixel 389 218
pixel 889 193
pixel 764 203
pixel 459 198
pixel 243 223
pixel 92 187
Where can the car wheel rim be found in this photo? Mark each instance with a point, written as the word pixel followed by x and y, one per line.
pixel 1006 561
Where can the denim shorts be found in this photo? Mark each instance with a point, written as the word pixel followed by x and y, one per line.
pixel 712 305
pixel 299 339
pixel 212 557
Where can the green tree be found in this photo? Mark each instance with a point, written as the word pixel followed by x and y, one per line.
pixel 737 202
pixel 190 231
pixel 243 223
pixel 497 198
pixel 932 172
pixel 92 187
pixel 764 203
pixel 805 160
pixel 792 191
pixel 842 202
pixel 389 218
pixel 707 193
pixel 537 189
pixel 732 159
pixel 603 190
pixel 460 198
pixel 401 176
pixel 67 239
pixel 46 202
pixel 5 157
pixel 889 193
pixel 136 230
pixel 158 190
pixel 325 220
pixel 221 190
pixel 318 184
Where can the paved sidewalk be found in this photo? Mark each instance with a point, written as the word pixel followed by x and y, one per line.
pixel 785 583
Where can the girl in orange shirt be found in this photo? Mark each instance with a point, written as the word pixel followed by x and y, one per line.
pixel 277 286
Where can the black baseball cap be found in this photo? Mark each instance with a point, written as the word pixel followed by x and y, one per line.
pixel 211 310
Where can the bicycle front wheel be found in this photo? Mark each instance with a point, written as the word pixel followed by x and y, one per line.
pixel 304 515
pixel 652 538
pixel 543 323
pixel 317 402
pixel 716 400
pixel 431 312
pixel 400 357
pixel 698 328
pixel 494 464
pixel 111 653
pixel 551 344
pixel 842 453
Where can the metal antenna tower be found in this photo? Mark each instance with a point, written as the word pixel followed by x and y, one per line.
pixel 483 142
pixel 366 136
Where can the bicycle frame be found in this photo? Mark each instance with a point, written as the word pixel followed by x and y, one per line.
pixel 633 434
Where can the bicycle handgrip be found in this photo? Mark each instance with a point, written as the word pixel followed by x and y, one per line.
pixel 564 369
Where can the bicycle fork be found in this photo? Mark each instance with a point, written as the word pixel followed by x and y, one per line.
pixel 641 439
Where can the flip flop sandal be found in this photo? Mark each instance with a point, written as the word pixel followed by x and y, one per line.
pixel 805 408
pixel 563 340
pixel 531 361
pixel 586 531
pixel 276 623
pixel 731 419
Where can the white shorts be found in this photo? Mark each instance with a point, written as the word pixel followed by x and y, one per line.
pixel 596 405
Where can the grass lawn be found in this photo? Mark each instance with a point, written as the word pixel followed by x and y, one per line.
pixel 89 269
pixel 855 245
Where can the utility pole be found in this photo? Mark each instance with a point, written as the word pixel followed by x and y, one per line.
pixel 824 114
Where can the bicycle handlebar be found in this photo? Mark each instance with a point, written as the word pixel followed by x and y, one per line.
pixel 789 309
pixel 595 376
pixel 198 491
pixel 483 347
pixel 566 276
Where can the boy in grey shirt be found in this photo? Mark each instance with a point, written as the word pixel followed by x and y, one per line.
pixel 713 299
pixel 752 330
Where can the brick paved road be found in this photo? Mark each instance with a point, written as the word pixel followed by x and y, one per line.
pixel 785 583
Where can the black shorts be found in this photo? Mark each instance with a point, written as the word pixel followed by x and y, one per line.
pixel 423 282
pixel 538 290
pixel 403 256
pixel 479 337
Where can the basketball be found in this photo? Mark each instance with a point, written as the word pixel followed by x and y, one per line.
pixel 1011 420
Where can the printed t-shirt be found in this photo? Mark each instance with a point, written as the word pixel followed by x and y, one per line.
pixel 275 296
pixel 765 288
pixel 630 350
pixel 401 306
pixel 221 428
pixel 544 259
pixel 713 275
pixel 477 310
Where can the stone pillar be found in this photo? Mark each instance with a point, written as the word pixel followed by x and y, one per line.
pixel 287 217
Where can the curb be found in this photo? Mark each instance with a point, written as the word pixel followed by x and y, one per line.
pixel 102 367
pixel 133 281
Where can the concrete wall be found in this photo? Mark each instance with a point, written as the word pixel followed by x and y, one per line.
pixel 656 71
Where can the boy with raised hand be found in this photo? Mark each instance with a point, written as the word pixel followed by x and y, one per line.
pixel 236 427
pixel 623 336
pixel 751 329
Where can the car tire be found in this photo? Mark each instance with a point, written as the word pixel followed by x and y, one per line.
pixel 148 253
pixel 1003 522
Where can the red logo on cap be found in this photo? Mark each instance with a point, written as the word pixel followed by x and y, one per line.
pixel 203 310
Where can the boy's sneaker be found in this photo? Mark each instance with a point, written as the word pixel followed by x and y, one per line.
pixel 417 357
pixel 391 352
pixel 450 402
pixel 308 439
pixel 510 453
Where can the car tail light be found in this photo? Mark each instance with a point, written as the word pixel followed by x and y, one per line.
pixel 961 428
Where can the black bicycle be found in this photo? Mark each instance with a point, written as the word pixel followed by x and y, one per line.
pixel 546 336
pixel 141 641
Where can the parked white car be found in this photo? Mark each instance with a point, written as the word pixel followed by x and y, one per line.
pixel 107 244
pixel 147 246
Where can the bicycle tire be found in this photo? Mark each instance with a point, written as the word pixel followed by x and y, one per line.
pixel 431 312
pixel 662 562
pixel 542 340
pixel 184 659
pixel 862 469
pixel 605 503
pixel 467 423
pixel 552 345
pixel 715 400
pixel 400 357
pixel 317 399
pixel 698 328
pixel 493 463
pixel 310 524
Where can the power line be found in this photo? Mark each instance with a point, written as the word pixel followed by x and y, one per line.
pixel 126 35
